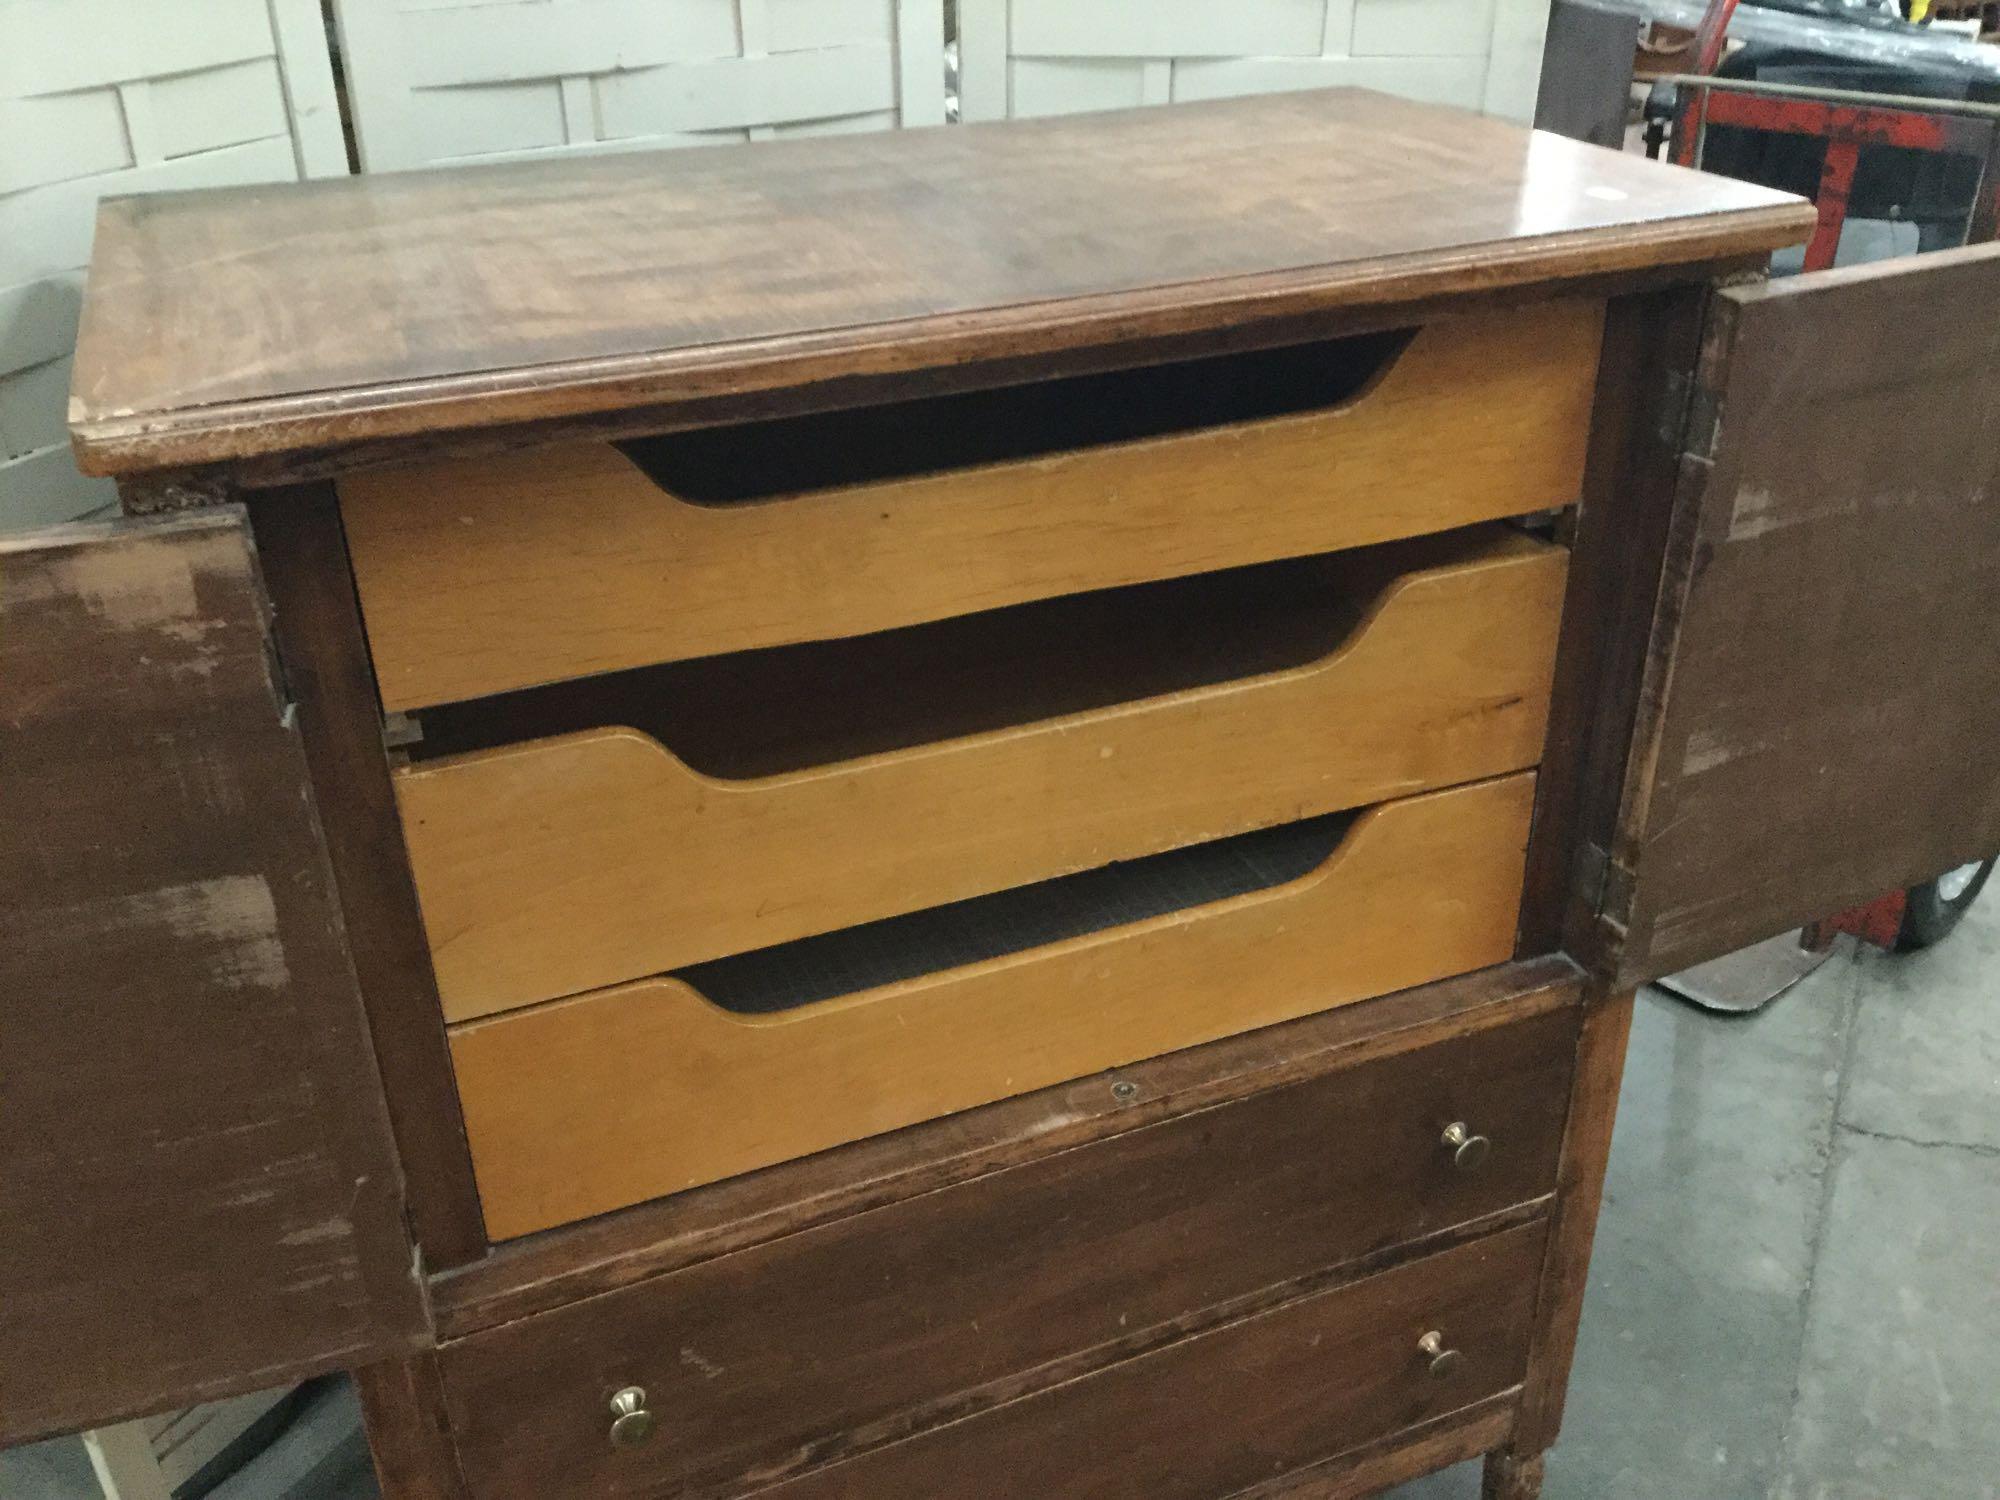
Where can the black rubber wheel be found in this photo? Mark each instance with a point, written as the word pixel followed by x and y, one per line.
pixel 1936 906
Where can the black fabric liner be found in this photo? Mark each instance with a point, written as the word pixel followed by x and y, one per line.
pixel 797 455
pixel 783 708
pixel 789 975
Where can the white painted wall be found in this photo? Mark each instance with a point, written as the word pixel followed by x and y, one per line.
pixel 126 96
pixel 1045 57
pixel 435 81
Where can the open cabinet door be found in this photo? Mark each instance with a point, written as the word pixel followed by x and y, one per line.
pixel 198 1191
pixel 1820 719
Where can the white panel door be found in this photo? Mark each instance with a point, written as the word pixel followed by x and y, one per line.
pixel 126 96
pixel 436 81
pixel 1042 57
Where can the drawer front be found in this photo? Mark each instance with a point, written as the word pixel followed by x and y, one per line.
pixel 856 1332
pixel 570 863
pixel 1200 1416
pixel 1413 891
pixel 1217 1413
pixel 483 577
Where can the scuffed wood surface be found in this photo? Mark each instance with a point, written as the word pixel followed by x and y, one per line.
pixel 200 1192
pixel 1229 1408
pixel 1821 717
pixel 423 303
pixel 409 1430
pixel 317 626
pixel 1586 1154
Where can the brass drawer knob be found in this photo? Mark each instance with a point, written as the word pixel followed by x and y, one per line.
pixel 1468 1151
pixel 1443 1362
pixel 631 1423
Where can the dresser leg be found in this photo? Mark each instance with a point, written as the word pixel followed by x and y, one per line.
pixel 409 1432
pixel 1511 1478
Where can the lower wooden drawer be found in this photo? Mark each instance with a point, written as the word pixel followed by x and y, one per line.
pixel 769 1361
pixel 586 1105
pixel 1202 1417
pixel 1214 1414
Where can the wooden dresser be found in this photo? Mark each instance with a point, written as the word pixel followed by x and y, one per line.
pixel 967 814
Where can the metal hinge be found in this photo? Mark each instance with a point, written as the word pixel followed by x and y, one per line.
pixel 400 731
pixel 1606 885
pixel 1690 415
pixel 1593 865
pixel 1614 905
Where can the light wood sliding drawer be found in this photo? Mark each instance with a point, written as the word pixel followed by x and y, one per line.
pixel 585 1105
pixel 486 576
pixel 574 861
pixel 847 1335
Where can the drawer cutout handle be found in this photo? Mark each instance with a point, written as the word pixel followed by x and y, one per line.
pixel 631 1423
pixel 1444 1362
pixel 1468 1151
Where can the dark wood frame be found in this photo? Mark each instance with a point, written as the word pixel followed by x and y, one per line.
pixel 1652 335
pixel 1620 535
pixel 1662 580
pixel 317 623
pixel 1653 331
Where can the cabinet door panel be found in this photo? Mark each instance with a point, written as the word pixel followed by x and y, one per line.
pixel 200 1191
pixel 1821 718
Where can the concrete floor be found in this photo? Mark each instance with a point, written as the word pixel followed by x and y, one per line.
pixel 1794 1296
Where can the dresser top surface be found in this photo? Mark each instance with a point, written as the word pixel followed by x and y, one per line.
pixel 305 317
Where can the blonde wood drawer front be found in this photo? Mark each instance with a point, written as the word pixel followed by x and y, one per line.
pixel 585 1105
pixel 569 863
pixel 487 576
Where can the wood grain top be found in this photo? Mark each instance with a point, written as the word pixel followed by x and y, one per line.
pixel 238 322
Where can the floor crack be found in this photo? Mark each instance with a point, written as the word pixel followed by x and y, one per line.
pixel 1975 1147
pixel 1850 1025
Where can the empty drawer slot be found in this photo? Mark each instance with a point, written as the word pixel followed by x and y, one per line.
pixel 834 450
pixel 1032 916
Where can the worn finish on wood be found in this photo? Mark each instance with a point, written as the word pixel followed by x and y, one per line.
pixel 1593 1105
pixel 1090 1263
pixel 573 862
pixel 551 1270
pixel 1822 710
pixel 1227 1409
pixel 952 1300
pixel 202 1195
pixel 1509 1478
pixel 488 576
pixel 179 488
pixel 409 1430
pixel 1399 1458
pixel 1418 890
pixel 318 630
pixel 419 303
pixel 1650 343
